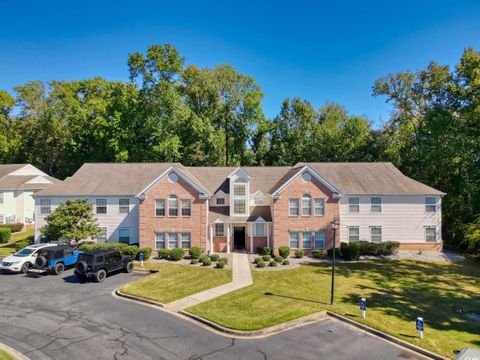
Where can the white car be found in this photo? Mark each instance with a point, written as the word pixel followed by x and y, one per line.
pixel 22 260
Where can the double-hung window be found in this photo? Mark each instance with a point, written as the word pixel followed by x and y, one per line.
pixel 259 230
pixel 219 230
pixel 376 234
pixel 293 207
pixel 353 233
pixel 306 240
pixel 430 234
pixel 320 239
pixel 45 206
pixel 123 206
pixel 186 237
pixel 2 219
pixel 101 206
pixel 306 205
pixel 172 240
pixel 376 204
pixel 294 240
pixel 354 205
pixel 240 198
pixel 239 189
pixel 430 204
pixel 102 235
pixel 172 205
pixel 1 197
pixel 159 207
pixel 124 235
pixel 239 206
pixel 319 207
pixel 159 240
pixel 186 207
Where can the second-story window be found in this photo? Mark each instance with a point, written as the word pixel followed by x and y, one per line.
pixel 319 207
pixel 1 197
pixel 220 201
pixel 354 205
pixel 159 207
pixel 376 204
pixel 293 207
pixel 101 206
pixel 186 207
pixel 123 206
pixel 306 205
pixel 430 204
pixel 172 205
pixel 239 190
pixel 239 206
pixel 45 206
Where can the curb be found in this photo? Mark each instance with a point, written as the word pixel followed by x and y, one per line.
pixel 139 299
pixel 261 332
pixel 145 271
pixel 405 344
pixel 13 352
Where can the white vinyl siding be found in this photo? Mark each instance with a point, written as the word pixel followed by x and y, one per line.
pixel 376 234
pixel 294 240
pixel 353 233
pixel 219 230
pixel 293 207
pixel 354 205
pixel 376 204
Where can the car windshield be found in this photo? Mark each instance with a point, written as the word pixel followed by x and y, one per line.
pixel 24 252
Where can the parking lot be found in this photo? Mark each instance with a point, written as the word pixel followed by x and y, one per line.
pixel 47 317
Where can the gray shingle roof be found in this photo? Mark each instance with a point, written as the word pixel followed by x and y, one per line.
pixel 20 182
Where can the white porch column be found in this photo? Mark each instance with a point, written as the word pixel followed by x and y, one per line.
pixel 251 237
pixel 228 238
pixel 211 237
pixel 268 235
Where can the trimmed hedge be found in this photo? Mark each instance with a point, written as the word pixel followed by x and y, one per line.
pixel 258 259
pixel 164 253
pixel 203 258
pixel 354 249
pixel 317 253
pixel 225 260
pixel 220 264
pixel 284 251
pixel 17 227
pixel 266 258
pixel 278 259
pixel 286 262
pixel 19 245
pixel 89 247
pixel 177 254
pixel 194 261
pixel 146 251
pixel 207 262
pixel 214 257
pixel 300 254
pixel 195 252
pixel 5 234
pixel 273 263
pixel 261 264
pixel 267 250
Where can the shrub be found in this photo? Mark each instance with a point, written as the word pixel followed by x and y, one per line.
pixel 225 260
pixel 261 264
pixel 220 264
pixel 337 251
pixel 258 259
pixel 5 234
pixel 89 247
pixel 286 262
pixel 390 247
pixel 164 253
pixel 299 254
pixel 350 251
pixel 177 254
pixel 195 252
pixel 19 245
pixel 130 250
pixel 203 258
pixel 214 257
pixel 317 253
pixel 194 261
pixel 284 251
pixel 267 250
pixel 207 262
pixel 278 259
pixel 266 258
pixel 273 263
pixel 13 227
pixel 146 251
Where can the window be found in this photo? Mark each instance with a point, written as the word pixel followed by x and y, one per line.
pixel 186 208
pixel 430 234
pixel 319 207
pixel 172 240
pixel 320 239
pixel 219 230
pixel 294 240
pixel 124 235
pixel 376 234
pixel 172 177
pixel 159 207
pixel 185 240
pixel 2 221
pixel 259 230
pixel 102 236
pixel 354 205
pixel 1 197
pixel 159 240
pixel 306 205
pixel 45 206
pixel 239 206
pixel 307 240
pixel 293 207
pixel 353 233
pixel 101 207
pixel 306 177
pixel 376 204
pixel 172 205
pixel 239 190
pixel 220 201
pixel 258 200
pixel 430 204
pixel 123 206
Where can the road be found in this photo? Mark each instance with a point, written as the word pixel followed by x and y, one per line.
pixel 56 317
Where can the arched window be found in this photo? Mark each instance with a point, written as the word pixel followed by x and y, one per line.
pixel 306 205
pixel 172 205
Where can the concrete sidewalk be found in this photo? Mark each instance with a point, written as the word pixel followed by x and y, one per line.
pixel 241 277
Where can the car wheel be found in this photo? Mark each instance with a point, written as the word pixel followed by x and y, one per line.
pixel 100 275
pixel 129 267
pixel 25 267
pixel 59 268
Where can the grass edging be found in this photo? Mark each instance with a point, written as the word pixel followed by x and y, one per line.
pixel 388 337
pixel 12 352
pixel 139 299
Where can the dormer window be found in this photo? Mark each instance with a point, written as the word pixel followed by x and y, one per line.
pixel 239 189
pixel 239 192
pixel 220 201
pixel 239 206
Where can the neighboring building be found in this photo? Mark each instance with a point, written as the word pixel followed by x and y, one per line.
pixel 220 209
pixel 18 182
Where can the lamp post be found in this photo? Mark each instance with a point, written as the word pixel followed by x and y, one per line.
pixel 335 225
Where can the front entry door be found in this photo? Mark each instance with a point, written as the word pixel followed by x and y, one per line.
pixel 239 237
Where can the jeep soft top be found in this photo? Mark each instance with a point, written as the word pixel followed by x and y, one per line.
pixel 97 264
pixel 55 258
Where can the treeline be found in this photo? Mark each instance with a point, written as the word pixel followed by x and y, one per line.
pixel 213 116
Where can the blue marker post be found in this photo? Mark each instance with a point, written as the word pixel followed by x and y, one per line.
pixel 419 326
pixel 363 306
pixel 140 256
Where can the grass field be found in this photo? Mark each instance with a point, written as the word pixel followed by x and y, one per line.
pixel 6 251
pixel 5 355
pixel 22 236
pixel 397 292
pixel 173 282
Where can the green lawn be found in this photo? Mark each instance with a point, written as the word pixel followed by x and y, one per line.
pixel 174 282
pixel 6 251
pixel 5 355
pixel 22 236
pixel 396 292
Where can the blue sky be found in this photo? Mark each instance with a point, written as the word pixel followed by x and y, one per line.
pixel 317 50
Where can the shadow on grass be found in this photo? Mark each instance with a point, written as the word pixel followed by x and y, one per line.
pixel 295 298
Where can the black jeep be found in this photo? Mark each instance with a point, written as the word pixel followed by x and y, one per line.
pixel 98 264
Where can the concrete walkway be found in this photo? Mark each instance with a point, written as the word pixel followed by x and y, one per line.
pixel 241 277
